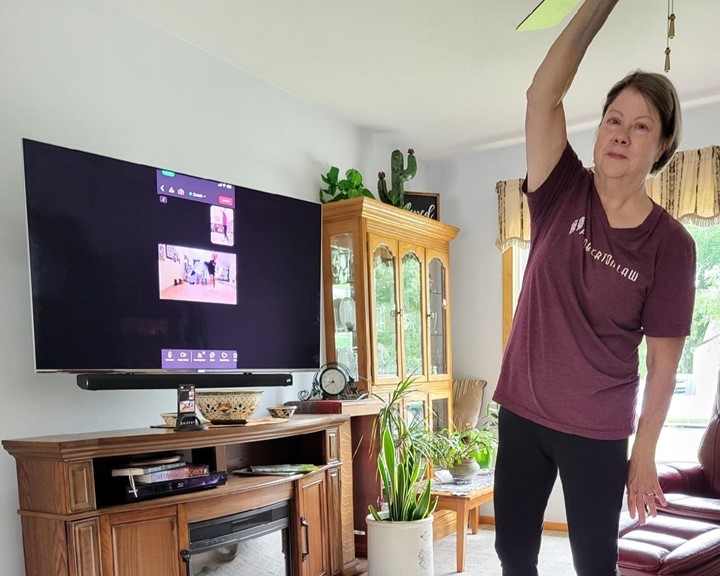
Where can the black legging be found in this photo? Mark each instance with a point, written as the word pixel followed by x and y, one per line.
pixel 593 475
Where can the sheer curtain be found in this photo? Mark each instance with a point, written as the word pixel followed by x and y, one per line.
pixel 513 215
pixel 688 188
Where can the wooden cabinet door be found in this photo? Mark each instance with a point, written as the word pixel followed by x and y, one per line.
pixel 84 547
pixel 335 540
pixel 311 529
pixel 141 543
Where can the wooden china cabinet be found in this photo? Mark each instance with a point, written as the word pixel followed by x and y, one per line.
pixel 387 316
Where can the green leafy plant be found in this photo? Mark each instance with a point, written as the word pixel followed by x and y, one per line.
pixel 349 187
pixel 400 471
pixel 402 460
pixel 488 428
pixel 391 416
pixel 451 447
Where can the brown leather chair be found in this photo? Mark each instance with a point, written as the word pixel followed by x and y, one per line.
pixel 684 539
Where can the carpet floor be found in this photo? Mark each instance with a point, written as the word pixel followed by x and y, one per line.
pixel 481 560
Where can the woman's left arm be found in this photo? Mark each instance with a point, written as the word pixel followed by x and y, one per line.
pixel 663 356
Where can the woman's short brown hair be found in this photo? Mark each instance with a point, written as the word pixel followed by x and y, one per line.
pixel 660 92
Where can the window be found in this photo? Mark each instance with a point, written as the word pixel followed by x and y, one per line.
pixel 699 368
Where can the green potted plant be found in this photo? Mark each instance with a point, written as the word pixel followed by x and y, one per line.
pixel 400 533
pixel 349 187
pixel 465 452
pixel 458 451
pixel 489 434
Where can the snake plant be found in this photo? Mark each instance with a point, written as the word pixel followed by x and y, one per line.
pixel 402 462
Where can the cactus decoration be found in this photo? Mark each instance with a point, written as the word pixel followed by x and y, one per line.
pixel 398 175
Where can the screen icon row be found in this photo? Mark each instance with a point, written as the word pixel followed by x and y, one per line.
pixel 179 358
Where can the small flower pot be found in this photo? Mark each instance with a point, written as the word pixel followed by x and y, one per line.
pixel 465 471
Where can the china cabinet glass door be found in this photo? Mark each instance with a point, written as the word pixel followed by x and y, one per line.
pixel 431 409
pixel 385 311
pixel 437 316
pixel 440 412
pixel 412 315
pixel 342 261
pixel 416 412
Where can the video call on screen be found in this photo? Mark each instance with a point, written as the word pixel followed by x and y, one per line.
pixel 163 270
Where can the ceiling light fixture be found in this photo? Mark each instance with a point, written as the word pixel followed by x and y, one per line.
pixel 670 32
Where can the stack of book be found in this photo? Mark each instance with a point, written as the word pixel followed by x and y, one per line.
pixel 156 476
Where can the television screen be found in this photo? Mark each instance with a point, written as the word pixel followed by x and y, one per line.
pixel 142 269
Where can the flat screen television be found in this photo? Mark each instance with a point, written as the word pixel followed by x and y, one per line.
pixel 142 270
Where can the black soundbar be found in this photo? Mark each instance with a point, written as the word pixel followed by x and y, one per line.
pixel 132 381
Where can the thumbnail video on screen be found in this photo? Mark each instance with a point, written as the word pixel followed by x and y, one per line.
pixel 197 275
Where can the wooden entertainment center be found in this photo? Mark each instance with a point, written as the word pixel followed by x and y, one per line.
pixel 74 523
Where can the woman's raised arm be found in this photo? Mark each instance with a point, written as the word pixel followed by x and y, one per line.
pixel 545 128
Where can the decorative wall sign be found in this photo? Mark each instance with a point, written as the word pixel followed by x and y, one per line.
pixel 424 203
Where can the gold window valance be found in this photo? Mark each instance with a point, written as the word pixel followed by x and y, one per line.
pixel 688 188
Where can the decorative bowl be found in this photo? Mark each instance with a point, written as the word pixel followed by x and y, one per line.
pixel 228 405
pixel 282 411
pixel 170 418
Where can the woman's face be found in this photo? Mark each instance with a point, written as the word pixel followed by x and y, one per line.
pixel 629 140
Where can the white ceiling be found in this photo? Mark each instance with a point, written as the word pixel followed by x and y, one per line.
pixel 446 77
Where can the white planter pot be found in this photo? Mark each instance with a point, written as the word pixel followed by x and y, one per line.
pixel 399 548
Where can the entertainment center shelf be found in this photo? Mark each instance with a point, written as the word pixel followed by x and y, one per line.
pixel 75 523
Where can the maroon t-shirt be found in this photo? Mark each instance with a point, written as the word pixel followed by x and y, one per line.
pixel 589 294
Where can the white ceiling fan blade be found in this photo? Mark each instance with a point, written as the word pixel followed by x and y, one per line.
pixel 547 14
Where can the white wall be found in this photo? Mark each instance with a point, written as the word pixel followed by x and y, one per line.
pixel 84 74
pixel 468 200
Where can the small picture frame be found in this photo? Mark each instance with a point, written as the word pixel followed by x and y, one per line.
pixel 424 203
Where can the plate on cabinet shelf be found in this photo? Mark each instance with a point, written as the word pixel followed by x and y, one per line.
pixel 346 314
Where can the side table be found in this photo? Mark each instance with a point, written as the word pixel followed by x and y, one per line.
pixel 464 499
